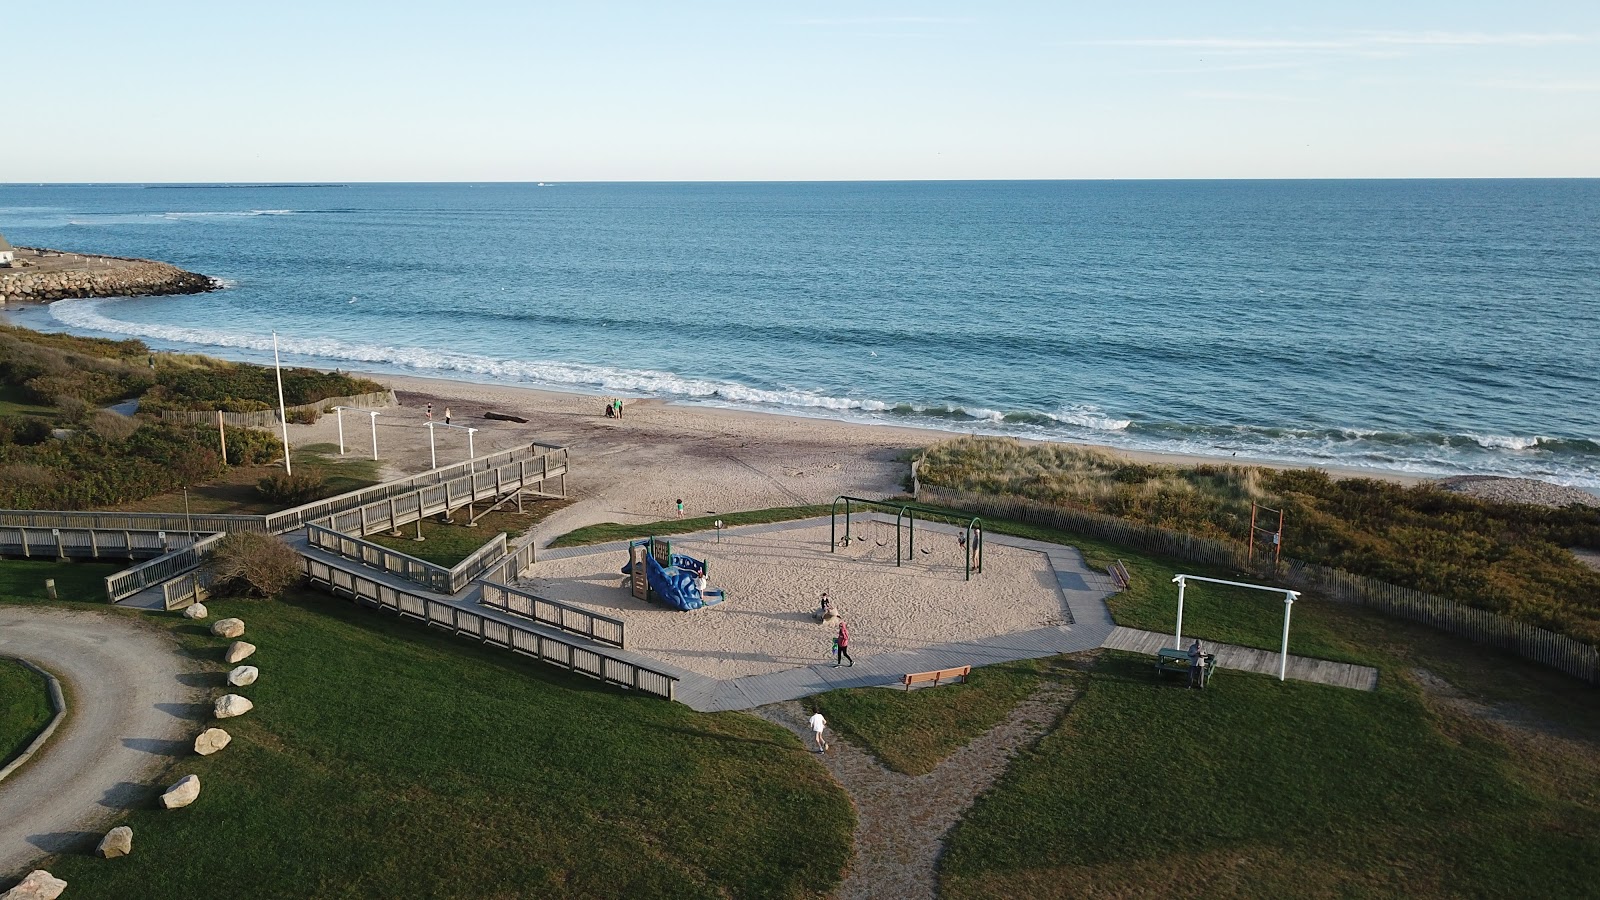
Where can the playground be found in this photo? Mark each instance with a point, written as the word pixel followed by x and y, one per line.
pixel 772 578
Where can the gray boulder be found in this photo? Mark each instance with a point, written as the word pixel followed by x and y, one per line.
pixel 238 650
pixel 211 740
pixel 117 842
pixel 244 676
pixel 230 705
pixel 182 793
pixel 39 885
pixel 228 628
pixel 195 611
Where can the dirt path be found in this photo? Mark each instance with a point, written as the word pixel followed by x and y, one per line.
pixel 902 820
pixel 133 701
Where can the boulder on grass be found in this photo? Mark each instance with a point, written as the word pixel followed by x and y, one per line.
pixel 244 675
pixel 195 611
pixel 211 740
pixel 117 842
pixel 228 628
pixel 230 705
pixel 237 651
pixel 39 885
pixel 181 794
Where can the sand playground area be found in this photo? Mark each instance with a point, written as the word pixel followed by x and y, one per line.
pixel 773 577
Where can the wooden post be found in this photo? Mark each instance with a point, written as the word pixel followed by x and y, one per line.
pixel 50 588
pixel 222 438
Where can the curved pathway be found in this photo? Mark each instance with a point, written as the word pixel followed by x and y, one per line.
pixel 133 704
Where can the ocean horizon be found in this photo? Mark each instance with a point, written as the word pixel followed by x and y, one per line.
pixel 1426 327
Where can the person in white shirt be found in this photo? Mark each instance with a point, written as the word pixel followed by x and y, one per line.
pixel 818 723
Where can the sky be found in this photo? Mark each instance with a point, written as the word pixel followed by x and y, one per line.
pixel 729 91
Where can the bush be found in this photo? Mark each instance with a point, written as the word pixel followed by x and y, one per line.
pixel 246 564
pixel 288 489
pixel 112 427
pixel 252 447
pixel 303 417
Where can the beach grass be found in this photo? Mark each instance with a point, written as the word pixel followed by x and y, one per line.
pixel 386 759
pixel 234 491
pixel 613 531
pixel 1259 788
pixel 912 732
pixel 24 707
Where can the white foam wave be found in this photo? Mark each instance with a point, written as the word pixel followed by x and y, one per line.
pixel 1505 442
pixel 1090 417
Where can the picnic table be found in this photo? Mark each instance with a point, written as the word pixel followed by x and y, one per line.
pixel 1176 662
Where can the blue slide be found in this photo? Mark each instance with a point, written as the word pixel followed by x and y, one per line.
pixel 675 586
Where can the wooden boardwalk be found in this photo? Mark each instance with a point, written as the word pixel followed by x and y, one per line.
pixel 1249 659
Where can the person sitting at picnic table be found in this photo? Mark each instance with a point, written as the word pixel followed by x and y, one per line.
pixel 1197 663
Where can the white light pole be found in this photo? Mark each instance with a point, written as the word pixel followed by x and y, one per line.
pixel 1177 637
pixel 338 413
pixel 1283 655
pixel 471 454
pixel 374 415
pixel 283 418
pixel 434 456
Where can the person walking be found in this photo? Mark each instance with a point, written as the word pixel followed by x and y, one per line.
pixel 447 415
pixel 817 724
pixel 841 645
pixel 680 507
pixel 430 412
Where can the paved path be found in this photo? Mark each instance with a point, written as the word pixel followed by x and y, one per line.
pixel 132 703
pixel 1249 659
pixel 902 820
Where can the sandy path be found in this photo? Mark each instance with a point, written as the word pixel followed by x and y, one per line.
pixel 902 820
pixel 132 705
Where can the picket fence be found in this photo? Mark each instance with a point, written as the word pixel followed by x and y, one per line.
pixel 268 418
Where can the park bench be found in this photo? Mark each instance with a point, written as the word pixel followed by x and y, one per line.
pixel 937 675
pixel 1176 662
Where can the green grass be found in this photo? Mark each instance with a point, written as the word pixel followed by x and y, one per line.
pixel 447 544
pixel 14 402
pixel 75 581
pixel 234 491
pixel 1255 788
pixel 24 707
pixel 386 759
pixel 351 472
pixel 913 731
pixel 612 531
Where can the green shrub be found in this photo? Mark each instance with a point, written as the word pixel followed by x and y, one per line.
pixel 294 489
pixel 252 447
pixel 303 417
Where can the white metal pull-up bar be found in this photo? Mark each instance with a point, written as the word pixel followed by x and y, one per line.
pixel 1288 602
pixel 471 453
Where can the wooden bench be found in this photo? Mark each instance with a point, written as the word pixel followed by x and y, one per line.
pixel 937 675
pixel 1176 662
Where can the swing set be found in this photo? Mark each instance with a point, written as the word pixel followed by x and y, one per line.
pixel 905 523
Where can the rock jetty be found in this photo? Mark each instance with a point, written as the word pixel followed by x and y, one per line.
pixel 41 276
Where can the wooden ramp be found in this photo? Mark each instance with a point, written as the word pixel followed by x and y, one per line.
pixel 1249 659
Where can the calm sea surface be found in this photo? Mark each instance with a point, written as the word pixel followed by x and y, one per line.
pixel 1419 326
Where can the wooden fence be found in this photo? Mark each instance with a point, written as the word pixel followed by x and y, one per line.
pixel 554 613
pixel 1540 645
pixel 516 638
pixel 268 418
pixel 193 586
pixel 128 582
pixel 432 576
pixel 87 543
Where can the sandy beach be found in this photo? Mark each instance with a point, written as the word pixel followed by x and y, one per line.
pixel 636 469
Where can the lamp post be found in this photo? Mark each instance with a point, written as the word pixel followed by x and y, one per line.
pixel 188 520
pixel 374 415
pixel 338 414
pixel 433 455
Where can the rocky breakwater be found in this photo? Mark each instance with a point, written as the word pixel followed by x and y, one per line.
pixel 40 276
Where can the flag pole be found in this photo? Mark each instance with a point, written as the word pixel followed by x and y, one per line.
pixel 283 418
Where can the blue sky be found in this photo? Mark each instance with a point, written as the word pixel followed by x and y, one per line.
pixel 481 91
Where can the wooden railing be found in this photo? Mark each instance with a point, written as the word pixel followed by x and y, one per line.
pixel 192 587
pixel 172 523
pixel 87 543
pixel 518 559
pixel 432 576
pixel 597 628
pixel 516 638
pixel 1531 642
pixel 131 581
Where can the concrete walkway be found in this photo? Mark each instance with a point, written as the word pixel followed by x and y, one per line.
pixel 133 704
pixel 1249 659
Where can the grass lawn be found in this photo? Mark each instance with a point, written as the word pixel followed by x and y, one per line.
pixel 24 707
pixel 912 732
pixel 447 544
pixel 13 402
pixel 387 759
pixel 22 579
pixel 1255 788
pixel 611 531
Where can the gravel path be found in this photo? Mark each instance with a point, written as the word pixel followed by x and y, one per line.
pixel 902 820
pixel 133 701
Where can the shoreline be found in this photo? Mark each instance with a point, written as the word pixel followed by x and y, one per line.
pixel 41 275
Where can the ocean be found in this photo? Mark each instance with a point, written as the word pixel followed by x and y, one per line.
pixel 1418 326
